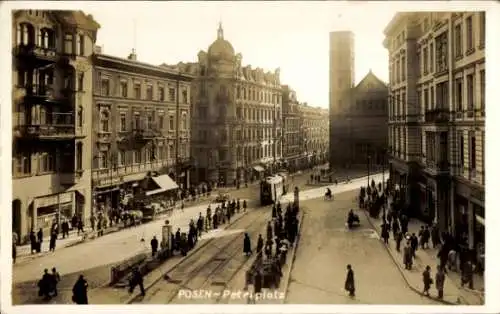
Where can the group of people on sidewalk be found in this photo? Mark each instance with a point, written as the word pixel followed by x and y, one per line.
pixel 396 219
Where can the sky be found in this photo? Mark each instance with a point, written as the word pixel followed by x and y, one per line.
pixel 291 36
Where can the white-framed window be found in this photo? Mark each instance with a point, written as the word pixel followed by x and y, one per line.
pixel 171 123
pixel 123 121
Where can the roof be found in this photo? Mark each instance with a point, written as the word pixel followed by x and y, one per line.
pixel 370 77
pixel 77 18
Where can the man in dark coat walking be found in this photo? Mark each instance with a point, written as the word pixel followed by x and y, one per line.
pixel 136 280
pixel 426 277
pixel 39 236
pixel 199 224
pixel 33 242
pixel 247 246
pixel 65 229
pixel 52 242
pixel 260 244
pixel 269 231
pixel 349 281
pixel 154 246
pixel 80 291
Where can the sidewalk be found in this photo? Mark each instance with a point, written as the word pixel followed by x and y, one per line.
pixel 24 251
pixel 453 293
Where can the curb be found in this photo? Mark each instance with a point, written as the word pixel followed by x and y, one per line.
pixel 199 247
pixel 294 254
pixel 403 274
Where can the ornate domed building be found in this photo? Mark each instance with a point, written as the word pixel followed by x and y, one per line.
pixel 236 126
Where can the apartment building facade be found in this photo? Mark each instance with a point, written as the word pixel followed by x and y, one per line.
pixel 237 116
pixel 141 125
pixel 51 118
pixel 436 117
pixel 314 133
pixel 292 142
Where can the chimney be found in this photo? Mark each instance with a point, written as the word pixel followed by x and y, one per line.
pixel 132 56
pixel 98 50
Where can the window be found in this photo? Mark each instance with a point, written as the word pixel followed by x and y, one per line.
pixel 68 43
pixel 426 61
pixel 80 81
pixel 80 45
pixel 149 92
pixel 137 91
pixel 442 95
pixel 23 164
pixel 124 89
pixel 431 57
pixel 470 34
pixel 123 122
pixel 419 64
pixel 461 156
pixel 21 78
pixel 171 123
pixel 149 122
pixel 431 94
pixel 482 79
pixel 137 122
pixel 46 162
pixel 404 104
pixel 137 156
pixel 161 122
pixel 442 52
pixel 122 158
pixel 472 149
pixel 105 121
pixel 161 93
pixel 426 100
pixel 403 68
pixel 238 92
pixel 458 41
pixel 244 93
pixel 171 94
pixel 458 96
pixel 105 87
pixel 470 92
pixel 482 28
pixel 79 156
pixel 170 150
pixel 184 96
pixel 80 116
pixel 184 122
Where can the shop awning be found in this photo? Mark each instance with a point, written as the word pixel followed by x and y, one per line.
pixel 165 183
pixel 258 168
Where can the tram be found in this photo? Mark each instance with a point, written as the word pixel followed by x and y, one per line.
pixel 271 190
pixel 286 182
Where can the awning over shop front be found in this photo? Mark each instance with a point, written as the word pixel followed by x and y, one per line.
pixel 165 183
pixel 258 168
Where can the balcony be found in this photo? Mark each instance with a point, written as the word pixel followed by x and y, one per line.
pixel 437 116
pixel 39 93
pixel 42 55
pixel 45 131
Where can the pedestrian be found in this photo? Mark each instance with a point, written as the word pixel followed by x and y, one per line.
pixel 80 291
pixel 435 235
pixel 273 211
pixel 421 236
pixel 55 278
pixel 407 256
pixel 178 239
pixel 268 248
pixel 33 242
pixel 80 226
pixel 467 274
pixel 44 285
pixel 440 278
pixel 244 205
pixel 426 277
pixel 136 280
pixel 260 244
pixel 52 241
pixel 39 236
pixel 349 281
pixel 65 228
pixel 269 231
pixel 247 246
pixel 385 233
pixel 92 221
pixel 414 244
pixel 154 246
pixel 398 239
pixel 199 224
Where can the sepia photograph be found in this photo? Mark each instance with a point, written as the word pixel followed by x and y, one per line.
pixel 245 153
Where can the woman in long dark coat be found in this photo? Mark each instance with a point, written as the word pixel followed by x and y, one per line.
pixel 349 281
pixel 80 291
pixel 247 247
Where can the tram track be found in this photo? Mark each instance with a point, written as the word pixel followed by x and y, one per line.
pixel 205 269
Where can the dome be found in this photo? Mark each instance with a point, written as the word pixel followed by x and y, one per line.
pixel 221 48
